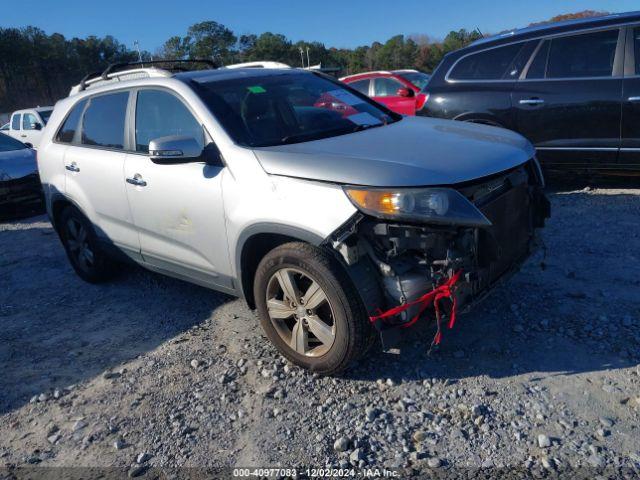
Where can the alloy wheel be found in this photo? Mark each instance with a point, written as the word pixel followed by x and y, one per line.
pixel 300 312
pixel 78 243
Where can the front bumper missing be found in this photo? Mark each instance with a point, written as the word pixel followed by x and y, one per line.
pixel 411 260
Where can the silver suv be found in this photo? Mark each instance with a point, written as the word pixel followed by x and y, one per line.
pixel 288 188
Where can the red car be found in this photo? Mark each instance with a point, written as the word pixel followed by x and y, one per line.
pixel 399 90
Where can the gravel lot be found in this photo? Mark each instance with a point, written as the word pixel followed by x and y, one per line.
pixel 151 372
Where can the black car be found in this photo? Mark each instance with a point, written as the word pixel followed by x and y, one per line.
pixel 572 88
pixel 20 188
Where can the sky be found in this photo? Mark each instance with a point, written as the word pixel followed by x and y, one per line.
pixel 343 23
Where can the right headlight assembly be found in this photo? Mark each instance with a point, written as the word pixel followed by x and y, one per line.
pixel 443 206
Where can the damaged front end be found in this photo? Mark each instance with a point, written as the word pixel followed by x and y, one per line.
pixel 396 261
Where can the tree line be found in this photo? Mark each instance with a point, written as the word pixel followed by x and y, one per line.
pixel 37 68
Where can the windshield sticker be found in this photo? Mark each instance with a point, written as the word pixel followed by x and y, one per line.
pixel 256 89
pixel 364 118
pixel 345 97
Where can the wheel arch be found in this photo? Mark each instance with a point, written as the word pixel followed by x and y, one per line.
pixel 258 240
pixel 58 203
pixel 483 119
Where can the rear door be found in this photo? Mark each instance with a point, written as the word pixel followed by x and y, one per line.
pixel 385 91
pixel 94 163
pixel 568 99
pixel 630 147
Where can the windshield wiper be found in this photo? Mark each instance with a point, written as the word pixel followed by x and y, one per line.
pixel 300 137
pixel 365 126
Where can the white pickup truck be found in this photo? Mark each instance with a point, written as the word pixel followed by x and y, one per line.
pixel 26 125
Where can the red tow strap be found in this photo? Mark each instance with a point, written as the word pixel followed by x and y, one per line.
pixel 425 301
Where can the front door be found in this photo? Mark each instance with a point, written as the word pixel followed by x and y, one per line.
pixel 385 91
pixel 568 104
pixel 94 163
pixel 177 209
pixel 31 129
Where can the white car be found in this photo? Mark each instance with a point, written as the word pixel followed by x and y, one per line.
pixel 27 125
pixel 5 128
pixel 317 205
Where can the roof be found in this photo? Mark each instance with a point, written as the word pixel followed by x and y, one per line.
pixel 567 25
pixel 266 64
pixel 363 74
pixel 37 109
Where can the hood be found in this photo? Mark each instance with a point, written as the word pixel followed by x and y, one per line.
pixel 416 151
pixel 17 164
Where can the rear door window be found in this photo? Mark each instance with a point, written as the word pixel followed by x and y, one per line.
pixel 586 55
pixel 15 121
pixel 538 67
pixel 67 132
pixel 492 64
pixel 161 114
pixel 636 48
pixel 361 85
pixel 103 121
pixel 386 87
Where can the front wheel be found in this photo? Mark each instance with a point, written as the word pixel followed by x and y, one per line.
pixel 310 309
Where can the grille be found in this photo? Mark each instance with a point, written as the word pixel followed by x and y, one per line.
pixel 506 242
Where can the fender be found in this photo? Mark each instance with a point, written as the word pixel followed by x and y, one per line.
pixel 294 233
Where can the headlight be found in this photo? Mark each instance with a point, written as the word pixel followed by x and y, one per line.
pixel 426 205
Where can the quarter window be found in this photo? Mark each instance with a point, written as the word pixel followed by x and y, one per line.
pixel 386 87
pixel 361 85
pixel 29 121
pixel 586 55
pixel 67 132
pixel 15 122
pixel 103 121
pixel 161 114
pixel 490 64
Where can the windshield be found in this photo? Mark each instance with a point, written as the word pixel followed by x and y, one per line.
pixel 45 114
pixel 419 79
pixel 278 109
pixel 4 127
pixel 8 144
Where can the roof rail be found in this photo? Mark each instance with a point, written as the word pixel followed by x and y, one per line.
pixel 114 69
pixel 115 66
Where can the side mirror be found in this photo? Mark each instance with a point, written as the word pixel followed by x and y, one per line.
pixel 174 149
pixel 405 92
pixel 36 126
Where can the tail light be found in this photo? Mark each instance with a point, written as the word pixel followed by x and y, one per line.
pixel 421 99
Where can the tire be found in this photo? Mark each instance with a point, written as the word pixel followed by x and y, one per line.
pixel 83 249
pixel 342 311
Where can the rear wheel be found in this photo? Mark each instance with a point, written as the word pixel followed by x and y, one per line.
pixel 82 247
pixel 310 309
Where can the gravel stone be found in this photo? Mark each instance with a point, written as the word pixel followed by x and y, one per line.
pixel 544 441
pixel 341 444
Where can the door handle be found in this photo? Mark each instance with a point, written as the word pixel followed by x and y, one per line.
pixel 23 136
pixel 633 99
pixel 73 167
pixel 531 101
pixel 137 180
